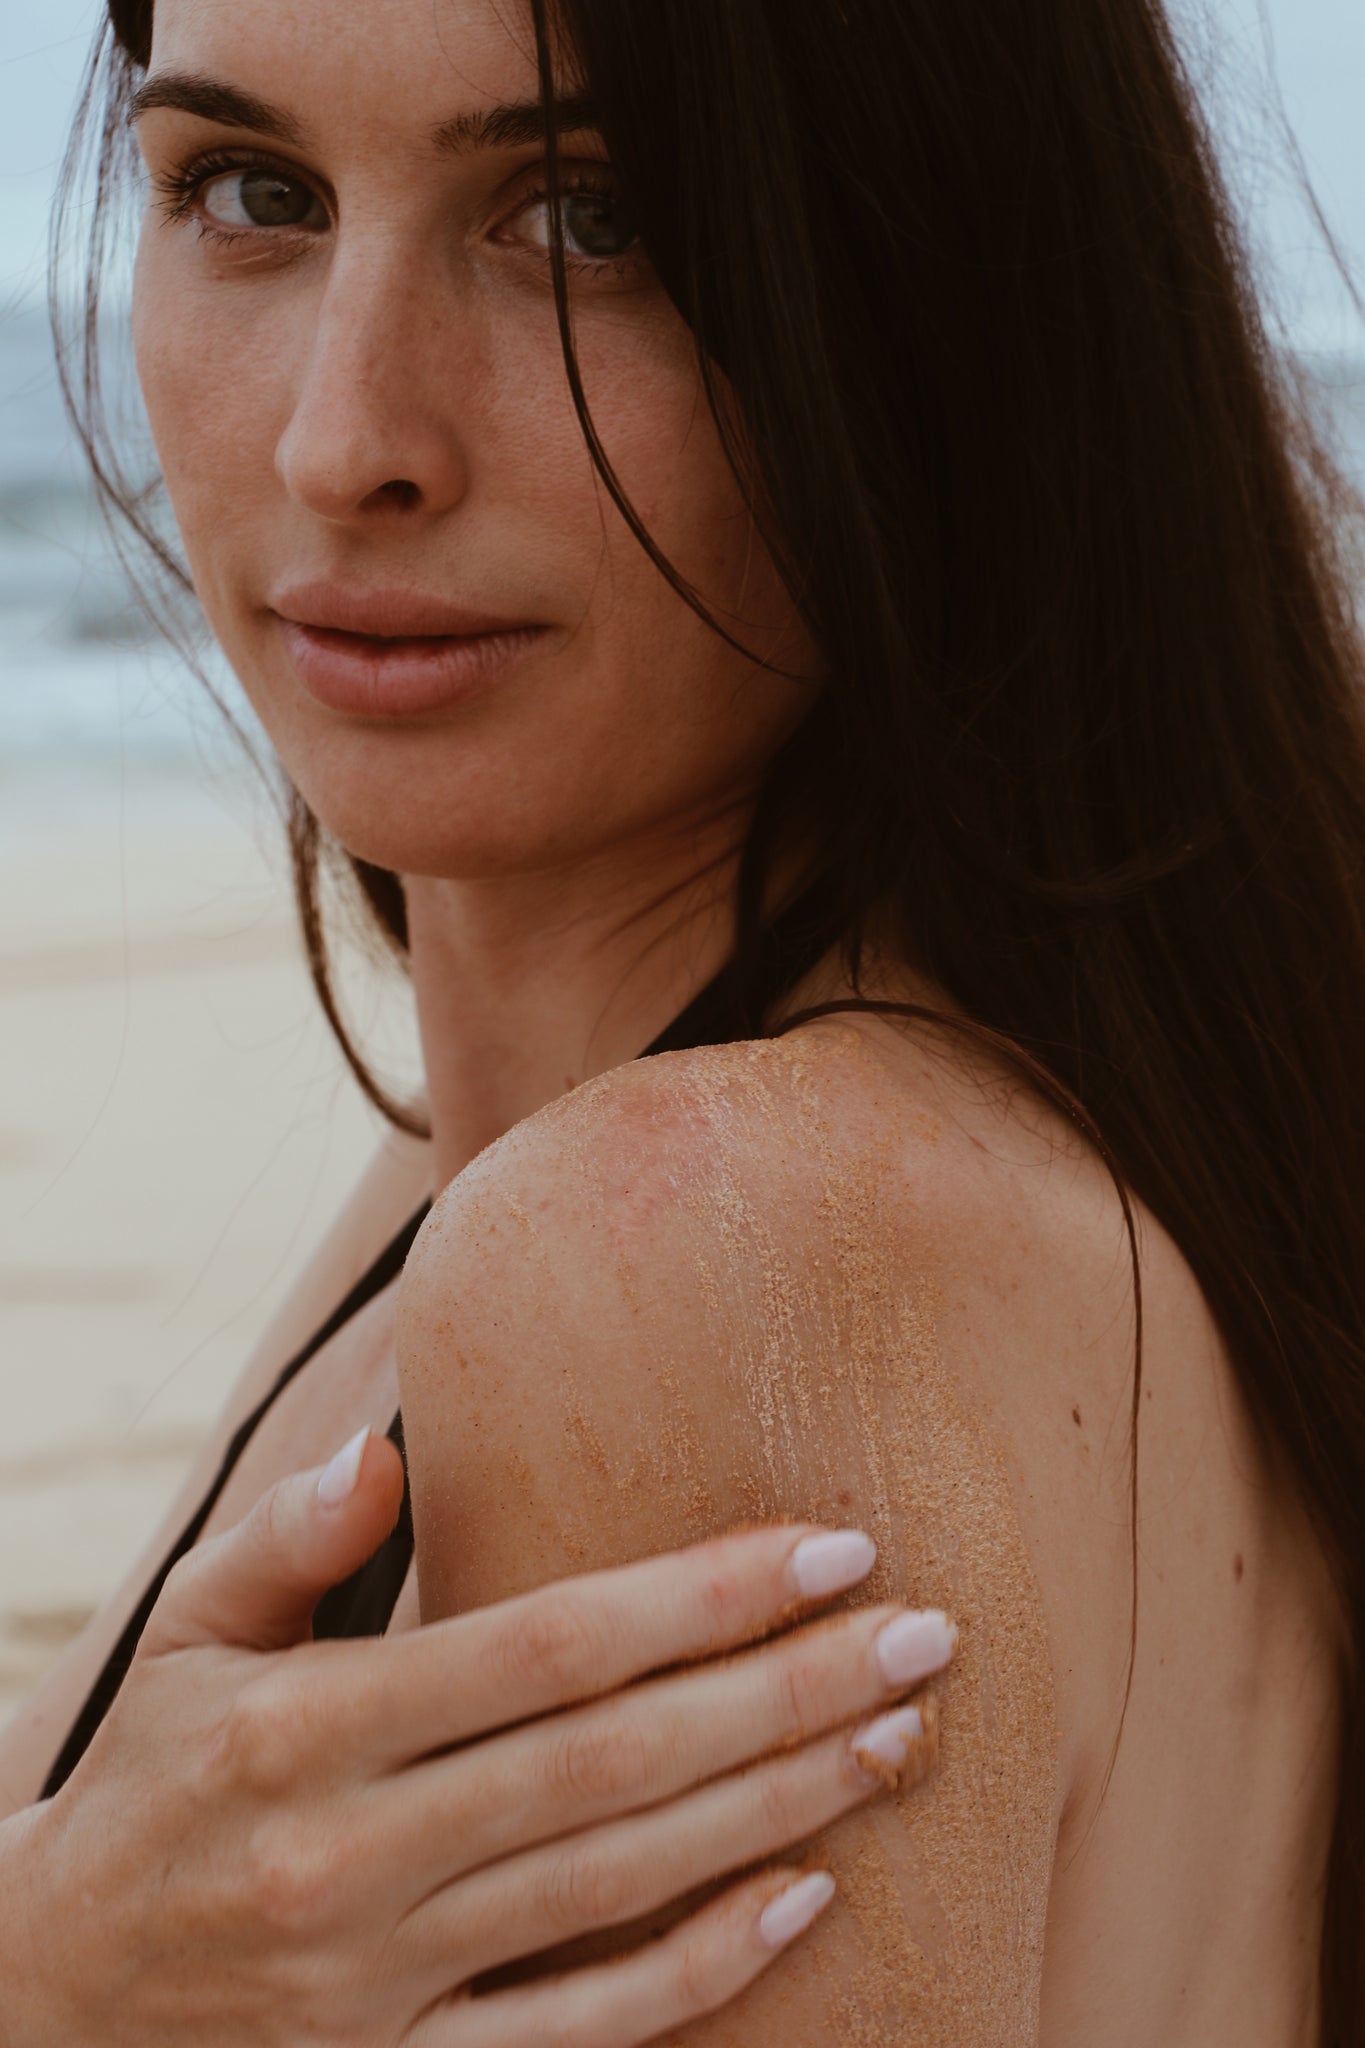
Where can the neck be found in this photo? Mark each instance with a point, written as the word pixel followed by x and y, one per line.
pixel 528 985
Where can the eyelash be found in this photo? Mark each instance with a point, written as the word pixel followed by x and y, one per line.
pixel 180 186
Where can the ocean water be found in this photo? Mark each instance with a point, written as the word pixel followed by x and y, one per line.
pixel 83 676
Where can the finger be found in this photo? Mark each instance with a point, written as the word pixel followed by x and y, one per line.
pixel 616 1873
pixel 573 1770
pixel 582 1637
pixel 694 1970
pixel 257 1585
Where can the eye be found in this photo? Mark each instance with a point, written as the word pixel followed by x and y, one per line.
pixel 598 224
pixel 261 198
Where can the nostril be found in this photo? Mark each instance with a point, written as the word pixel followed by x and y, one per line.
pixel 401 491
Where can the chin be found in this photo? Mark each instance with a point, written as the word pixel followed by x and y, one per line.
pixel 414 819
pixel 447 847
pixel 468 799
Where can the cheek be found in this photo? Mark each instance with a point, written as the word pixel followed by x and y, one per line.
pixel 214 398
pixel 644 392
pixel 648 401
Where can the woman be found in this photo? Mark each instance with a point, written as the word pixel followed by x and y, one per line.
pixel 245 1835
pixel 913 622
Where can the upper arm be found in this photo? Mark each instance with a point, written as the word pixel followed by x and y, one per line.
pixel 659 1311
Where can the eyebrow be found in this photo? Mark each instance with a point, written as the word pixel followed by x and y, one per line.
pixel 505 126
pixel 512 123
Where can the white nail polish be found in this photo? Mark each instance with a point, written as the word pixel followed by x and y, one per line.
pixel 882 1748
pixel 913 1645
pixel 338 1480
pixel 792 1911
pixel 831 1562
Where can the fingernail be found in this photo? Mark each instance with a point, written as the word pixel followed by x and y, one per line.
pixel 831 1562
pixel 338 1481
pixel 913 1645
pixel 880 1750
pixel 792 1911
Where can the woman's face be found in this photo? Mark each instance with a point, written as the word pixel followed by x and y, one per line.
pixel 347 340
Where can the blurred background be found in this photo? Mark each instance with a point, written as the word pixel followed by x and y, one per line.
pixel 176 1127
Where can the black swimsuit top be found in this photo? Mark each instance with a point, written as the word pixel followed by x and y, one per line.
pixel 363 1604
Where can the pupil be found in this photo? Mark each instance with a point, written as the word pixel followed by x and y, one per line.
pixel 599 224
pixel 270 201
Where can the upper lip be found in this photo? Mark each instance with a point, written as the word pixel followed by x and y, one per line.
pixel 384 614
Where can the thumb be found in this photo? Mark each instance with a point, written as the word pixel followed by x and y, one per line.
pixel 256 1585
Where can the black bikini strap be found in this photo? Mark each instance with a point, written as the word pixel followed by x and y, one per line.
pixel 796 941
pixel 385 1268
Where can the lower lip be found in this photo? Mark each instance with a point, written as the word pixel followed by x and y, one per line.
pixel 399 678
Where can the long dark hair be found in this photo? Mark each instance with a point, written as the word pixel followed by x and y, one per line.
pixel 1053 510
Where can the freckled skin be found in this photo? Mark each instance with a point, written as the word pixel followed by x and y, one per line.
pixel 759 1289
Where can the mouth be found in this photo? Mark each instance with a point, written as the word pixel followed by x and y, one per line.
pixel 394 655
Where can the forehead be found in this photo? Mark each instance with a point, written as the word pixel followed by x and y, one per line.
pixel 355 64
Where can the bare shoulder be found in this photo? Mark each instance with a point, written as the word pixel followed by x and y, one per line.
pixel 860 1275
pixel 792 1278
pixel 813 1227
pixel 772 1143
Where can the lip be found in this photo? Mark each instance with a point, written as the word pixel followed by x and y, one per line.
pixel 385 614
pixel 392 654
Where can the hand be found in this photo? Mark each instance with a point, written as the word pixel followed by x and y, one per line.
pixel 273 1841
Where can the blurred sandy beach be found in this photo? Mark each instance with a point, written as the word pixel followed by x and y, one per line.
pixel 175 1131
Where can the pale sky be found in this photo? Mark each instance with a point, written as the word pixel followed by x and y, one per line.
pixel 1319 64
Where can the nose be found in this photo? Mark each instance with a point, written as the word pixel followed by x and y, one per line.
pixel 373 430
